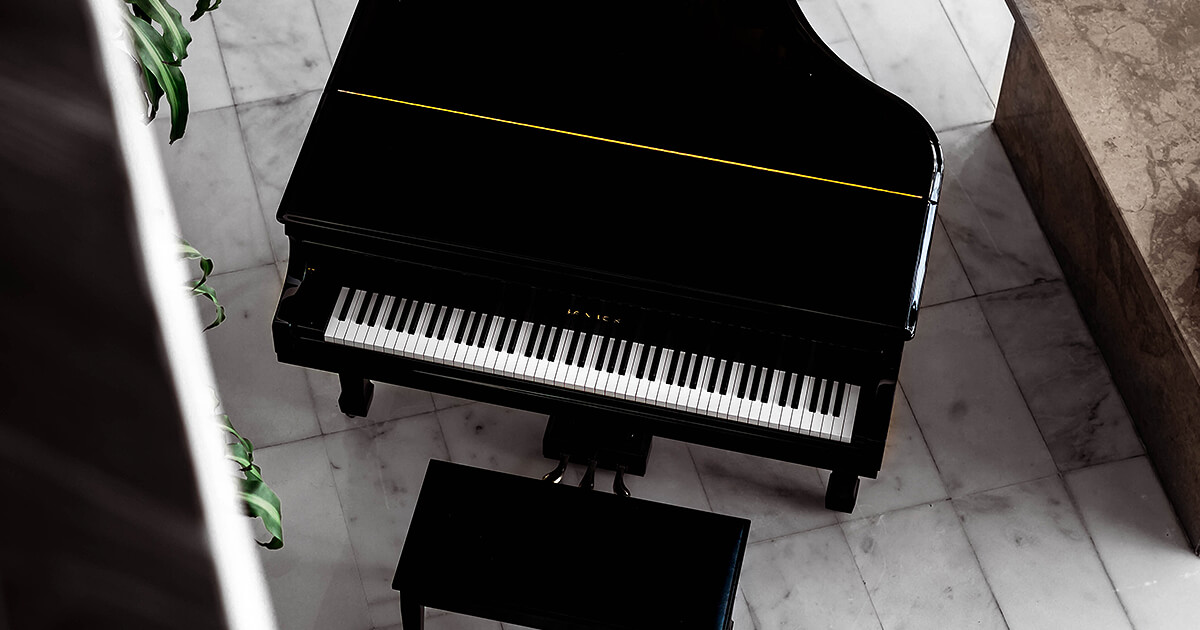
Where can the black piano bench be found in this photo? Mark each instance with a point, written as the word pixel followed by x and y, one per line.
pixel 558 557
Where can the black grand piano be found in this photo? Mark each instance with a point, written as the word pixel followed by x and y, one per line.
pixel 682 218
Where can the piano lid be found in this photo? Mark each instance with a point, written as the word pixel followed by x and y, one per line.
pixel 707 145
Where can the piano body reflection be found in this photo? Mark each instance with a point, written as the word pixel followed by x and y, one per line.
pixel 686 216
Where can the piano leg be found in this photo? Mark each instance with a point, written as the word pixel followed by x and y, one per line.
pixel 356 396
pixel 842 492
pixel 412 614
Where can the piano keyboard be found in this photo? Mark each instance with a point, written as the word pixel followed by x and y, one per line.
pixel 588 362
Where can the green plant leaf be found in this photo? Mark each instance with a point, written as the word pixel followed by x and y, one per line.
pixel 204 6
pixel 174 34
pixel 156 58
pixel 262 502
pixel 208 292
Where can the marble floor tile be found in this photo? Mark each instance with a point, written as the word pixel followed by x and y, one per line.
pixel 779 498
pixel 912 51
pixel 389 403
pixel 670 477
pixel 920 570
pixel 945 280
pixel 335 21
pixel 847 50
pixel 1061 374
pixel 213 190
pixel 378 471
pixel 984 27
pixel 269 402
pixel 207 85
pixel 964 398
pixel 313 579
pixel 498 438
pixel 271 48
pixel 1145 552
pixel 987 216
pixel 908 476
pixel 274 130
pixel 806 580
pixel 826 19
pixel 1038 558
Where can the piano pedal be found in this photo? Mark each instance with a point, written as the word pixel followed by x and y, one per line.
pixel 589 477
pixel 619 488
pixel 556 475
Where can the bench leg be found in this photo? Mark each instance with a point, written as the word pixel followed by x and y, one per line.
pixel 412 614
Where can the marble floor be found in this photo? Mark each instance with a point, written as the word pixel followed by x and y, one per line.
pixel 1014 491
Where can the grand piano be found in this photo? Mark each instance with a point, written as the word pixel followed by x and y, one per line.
pixel 679 218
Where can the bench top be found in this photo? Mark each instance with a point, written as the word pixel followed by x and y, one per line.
pixel 530 552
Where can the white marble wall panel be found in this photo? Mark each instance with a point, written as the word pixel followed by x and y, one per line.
pixel 378 471
pixel 1038 558
pixel 806 580
pixel 987 216
pixel 912 51
pixel 779 498
pixel 271 48
pixel 213 190
pixel 269 402
pixel 313 579
pixel 908 476
pixel 204 71
pixel 274 130
pixel 984 27
pixel 920 570
pixel 967 404
pixel 1062 375
pixel 1155 573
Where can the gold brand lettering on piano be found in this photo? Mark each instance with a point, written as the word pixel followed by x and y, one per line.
pixel 596 316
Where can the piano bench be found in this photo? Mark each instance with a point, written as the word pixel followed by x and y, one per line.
pixel 557 557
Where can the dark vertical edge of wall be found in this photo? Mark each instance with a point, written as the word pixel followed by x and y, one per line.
pixel 1149 360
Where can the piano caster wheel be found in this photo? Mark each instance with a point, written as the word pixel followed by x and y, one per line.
pixel 356 396
pixel 842 492
pixel 619 488
pixel 556 475
pixel 589 477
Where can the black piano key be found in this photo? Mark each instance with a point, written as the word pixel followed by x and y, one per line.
pixel 600 356
pixel 444 325
pixel 837 400
pixel 583 349
pixel 574 343
pixel 472 334
pixel 796 395
pixel 785 388
pixel 744 381
pixel 503 332
pixel 485 330
pixel 431 326
pixel 464 325
pixel 725 374
pixel 375 311
pixel 815 395
pixel 390 322
pixel 554 344
pixel 514 335
pixel 685 368
pixel 531 343
pixel 655 359
pixel 766 388
pixel 672 369
pixel 416 318
pixel 714 376
pixel 643 354
pixel 614 356
pixel 755 383
pixel 363 307
pixel 621 370
pixel 543 343
pixel 695 380
pixel 826 397
pixel 346 306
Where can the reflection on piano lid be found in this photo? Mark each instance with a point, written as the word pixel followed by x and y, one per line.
pixel 751 216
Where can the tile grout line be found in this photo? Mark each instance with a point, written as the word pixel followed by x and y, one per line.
pixel 974 68
pixel 975 554
pixel 350 541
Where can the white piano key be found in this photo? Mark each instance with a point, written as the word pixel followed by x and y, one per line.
pixel 492 356
pixel 849 411
pixel 332 326
pixel 360 333
pixel 593 374
pixel 347 332
pixel 373 331
pixel 416 339
pixel 776 411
